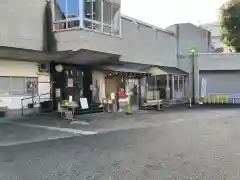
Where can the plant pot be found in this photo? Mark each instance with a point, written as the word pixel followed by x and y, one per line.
pixel 30 105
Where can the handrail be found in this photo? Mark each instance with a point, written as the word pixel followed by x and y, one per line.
pixel 37 96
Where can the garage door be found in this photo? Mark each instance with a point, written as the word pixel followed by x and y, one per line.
pixel 222 83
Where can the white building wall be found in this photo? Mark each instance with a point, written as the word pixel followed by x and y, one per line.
pixel 18 68
pixel 22 23
pixel 216 61
pixel 139 43
pixel 22 69
pixel 222 65
pixel 190 36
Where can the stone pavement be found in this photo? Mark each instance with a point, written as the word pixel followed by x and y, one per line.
pixel 183 145
pixel 18 130
pixel 14 134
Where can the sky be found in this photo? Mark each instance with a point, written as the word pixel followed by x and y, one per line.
pixel 163 13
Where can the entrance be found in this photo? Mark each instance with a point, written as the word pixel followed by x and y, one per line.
pixel 72 81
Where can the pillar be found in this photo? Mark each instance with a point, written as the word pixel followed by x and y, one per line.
pixel 173 88
pixel 167 88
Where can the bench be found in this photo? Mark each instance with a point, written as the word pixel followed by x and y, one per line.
pixel 154 103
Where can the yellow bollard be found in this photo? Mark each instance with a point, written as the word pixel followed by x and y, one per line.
pixel 226 100
pixel 209 100
pixel 204 100
pixel 222 100
pixel 129 107
pixel 218 99
pixel 213 100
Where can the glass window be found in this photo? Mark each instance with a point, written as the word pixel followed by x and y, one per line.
pixel 17 85
pixel 115 16
pixel 93 14
pixel 66 10
pixel 60 7
pixel 4 85
pixel 88 14
pixel 106 13
pixel 97 9
pixel 97 15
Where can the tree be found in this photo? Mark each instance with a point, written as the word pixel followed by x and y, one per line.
pixel 230 24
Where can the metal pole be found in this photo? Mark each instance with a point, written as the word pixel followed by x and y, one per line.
pixel 155 81
pixel 193 78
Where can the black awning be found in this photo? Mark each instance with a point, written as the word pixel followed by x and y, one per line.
pixel 89 57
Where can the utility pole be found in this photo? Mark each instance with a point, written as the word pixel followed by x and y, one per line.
pixel 193 51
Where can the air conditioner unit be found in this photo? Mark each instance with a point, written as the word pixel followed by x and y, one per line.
pixel 43 67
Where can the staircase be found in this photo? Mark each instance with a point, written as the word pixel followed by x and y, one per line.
pixel 167 104
pixel 93 108
pixel 174 103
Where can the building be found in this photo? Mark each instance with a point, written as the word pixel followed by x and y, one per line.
pixel 87 48
pixel 215 30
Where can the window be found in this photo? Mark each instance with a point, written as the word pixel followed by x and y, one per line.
pixel 115 18
pixel 98 15
pixel 16 86
pixel 4 85
pixel 66 14
pixel 93 14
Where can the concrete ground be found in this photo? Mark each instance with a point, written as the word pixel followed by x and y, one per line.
pixel 193 144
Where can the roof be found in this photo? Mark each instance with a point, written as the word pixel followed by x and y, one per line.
pixel 147 25
pixel 130 67
pixel 123 69
pixel 172 70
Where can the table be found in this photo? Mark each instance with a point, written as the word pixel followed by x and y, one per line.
pixel 68 111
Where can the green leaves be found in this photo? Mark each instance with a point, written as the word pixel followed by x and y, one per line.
pixel 230 24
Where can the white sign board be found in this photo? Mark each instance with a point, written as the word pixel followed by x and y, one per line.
pixel 84 103
pixel 70 82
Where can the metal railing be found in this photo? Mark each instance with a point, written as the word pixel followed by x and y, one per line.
pixel 36 100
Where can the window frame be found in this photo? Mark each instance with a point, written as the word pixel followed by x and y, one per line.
pixel 25 93
pixel 83 19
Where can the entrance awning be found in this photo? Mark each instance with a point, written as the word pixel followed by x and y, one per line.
pixel 124 67
pixel 89 57
pixel 164 70
pixel 81 56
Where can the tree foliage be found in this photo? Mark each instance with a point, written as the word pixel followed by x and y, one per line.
pixel 230 24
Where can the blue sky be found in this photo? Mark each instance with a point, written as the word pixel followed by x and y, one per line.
pixel 163 13
pixel 72 6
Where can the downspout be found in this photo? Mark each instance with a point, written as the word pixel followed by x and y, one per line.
pixel 49 46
